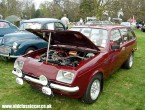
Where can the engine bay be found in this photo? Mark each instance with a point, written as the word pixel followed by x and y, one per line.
pixel 64 56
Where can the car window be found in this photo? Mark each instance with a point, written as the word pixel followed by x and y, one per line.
pixel 50 26
pixel 124 33
pixel 99 37
pixel 130 34
pixel 116 37
pixel 30 25
pixel 4 25
pixel 59 26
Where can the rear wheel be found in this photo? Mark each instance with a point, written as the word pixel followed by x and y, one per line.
pixel 93 90
pixel 29 50
pixel 129 62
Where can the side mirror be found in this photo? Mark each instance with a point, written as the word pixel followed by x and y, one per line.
pixel 115 46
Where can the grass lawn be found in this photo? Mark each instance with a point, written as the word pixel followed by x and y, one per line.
pixel 124 90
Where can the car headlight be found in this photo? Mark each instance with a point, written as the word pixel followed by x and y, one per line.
pixel 15 45
pixel 43 79
pixel 18 64
pixel 65 76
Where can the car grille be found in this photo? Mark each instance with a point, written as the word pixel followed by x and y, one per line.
pixel 5 50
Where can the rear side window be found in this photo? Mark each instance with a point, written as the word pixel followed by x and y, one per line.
pixel 59 26
pixel 124 33
pixel 131 34
pixel 116 37
pixel 127 34
pixel 50 26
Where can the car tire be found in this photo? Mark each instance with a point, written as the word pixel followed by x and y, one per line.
pixel 29 50
pixel 93 90
pixel 129 62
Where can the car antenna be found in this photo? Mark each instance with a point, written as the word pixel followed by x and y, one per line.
pixel 48 47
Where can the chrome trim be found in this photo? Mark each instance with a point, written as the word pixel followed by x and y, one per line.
pixel 52 85
pixel 28 78
pixel 11 56
pixel 64 88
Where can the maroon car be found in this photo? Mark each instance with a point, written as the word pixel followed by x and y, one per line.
pixel 77 61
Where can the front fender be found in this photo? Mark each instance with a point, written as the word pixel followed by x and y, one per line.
pixel 38 44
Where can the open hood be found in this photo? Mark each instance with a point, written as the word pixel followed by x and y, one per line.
pixel 72 38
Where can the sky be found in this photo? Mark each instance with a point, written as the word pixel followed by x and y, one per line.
pixel 37 2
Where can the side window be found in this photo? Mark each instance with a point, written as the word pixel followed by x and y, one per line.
pixel 50 26
pixel 116 37
pixel 124 33
pixel 130 34
pixel 4 25
pixel 59 26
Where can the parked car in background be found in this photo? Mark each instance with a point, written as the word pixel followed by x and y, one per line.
pixel 143 27
pixel 138 25
pixel 132 26
pixel 126 24
pixel 98 22
pixel 77 61
pixel 7 27
pixel 16 44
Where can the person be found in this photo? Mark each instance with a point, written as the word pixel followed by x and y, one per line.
pixel 65 21
pixel 81 21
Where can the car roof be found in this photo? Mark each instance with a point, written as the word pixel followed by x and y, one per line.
pixel 5 21
pixel 103 26
pixel 42 20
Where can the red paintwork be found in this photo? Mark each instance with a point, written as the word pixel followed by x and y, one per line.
pixel 106 62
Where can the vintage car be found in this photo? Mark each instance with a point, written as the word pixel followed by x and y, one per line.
pixel 16 44
pixel 143 28
pixel 98 22
pixel 6 27
pixel 76 61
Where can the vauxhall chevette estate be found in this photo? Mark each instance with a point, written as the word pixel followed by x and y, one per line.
pixel 76 62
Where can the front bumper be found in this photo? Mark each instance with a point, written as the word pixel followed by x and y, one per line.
pixel 9 56
pixel 52 85
pixel 6 51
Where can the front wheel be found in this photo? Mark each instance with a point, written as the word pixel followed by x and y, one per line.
pixel 29 50
pixel 93 90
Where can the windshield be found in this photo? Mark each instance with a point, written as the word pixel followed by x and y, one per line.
pixel 98 36
pixel 30 25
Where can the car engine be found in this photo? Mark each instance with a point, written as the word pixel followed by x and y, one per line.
pixel 66 57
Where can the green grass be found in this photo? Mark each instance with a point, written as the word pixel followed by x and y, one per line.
pixel 124 90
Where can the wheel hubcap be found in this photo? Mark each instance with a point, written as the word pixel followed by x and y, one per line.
pixel 131 61
pixel 30 51
pixel 95 89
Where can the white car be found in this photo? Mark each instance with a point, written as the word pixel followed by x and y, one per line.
pixel 132 25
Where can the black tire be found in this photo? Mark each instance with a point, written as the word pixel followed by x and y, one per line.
pixel 88 98
pixel 29 50
pixel 129 62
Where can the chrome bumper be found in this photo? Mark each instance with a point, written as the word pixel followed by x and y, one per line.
pixel 11 56
pixel 52 85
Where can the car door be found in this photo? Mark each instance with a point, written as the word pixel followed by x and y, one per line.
pixel 116 56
